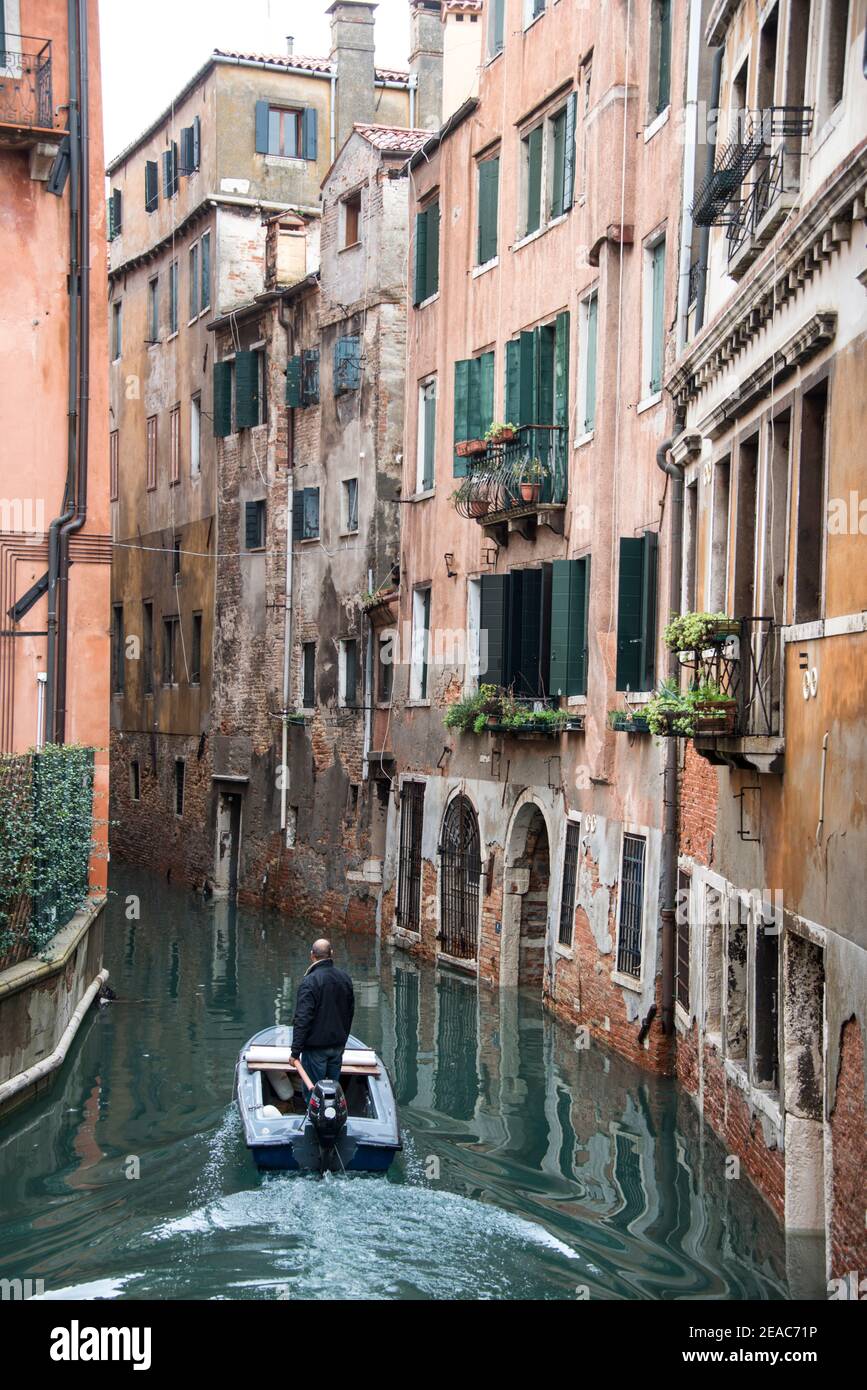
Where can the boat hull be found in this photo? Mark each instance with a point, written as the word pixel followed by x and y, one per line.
pixel 281 1158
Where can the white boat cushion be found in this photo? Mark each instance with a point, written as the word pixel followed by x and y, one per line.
pixel 270 1112
pixel 282 1084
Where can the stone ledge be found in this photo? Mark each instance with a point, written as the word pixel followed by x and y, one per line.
pixel 59 950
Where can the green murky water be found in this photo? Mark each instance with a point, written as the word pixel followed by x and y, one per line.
pixel 530 1169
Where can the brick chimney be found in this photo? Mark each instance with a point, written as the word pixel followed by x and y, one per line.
pixel 352 51
pixel 426 62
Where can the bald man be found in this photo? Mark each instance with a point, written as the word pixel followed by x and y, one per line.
pixel 323 1016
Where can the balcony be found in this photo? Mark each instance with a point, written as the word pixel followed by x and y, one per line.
pixel 749 669
pixel 770 200
pixel 518 484
pixel 26 98
pixel 722 200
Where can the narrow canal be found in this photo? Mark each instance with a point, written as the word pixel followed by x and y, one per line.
pixel 530 1169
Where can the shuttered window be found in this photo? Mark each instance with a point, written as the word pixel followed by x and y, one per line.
pixel 427 427
pixel 347 364
pixel 254 525
pixel 115 214
pixel 222 399
pixel 533 180
pixel 489 206
pixel 662 21
pixel 558 162
pixel 636 612
pixel 173 297
pixel 427 253
pixel 474 401
pixel 349 674
pixel 308 658
pixel 631 911
pixel 570 597
pixel 196 654
pixel 151 478
pixel 537 380
pixel 248 404
pixel 305 514
pixel 171 165
pixel 656 328
pixel 206 271
pixel 288 132
pixel 591 329
pixel 570 883
pixel 194 281
pixel 496 16
pixel 152 186
pixel 191 147
pixel 569 151
pixel 515 630
pixel 293 382
pixel 310 376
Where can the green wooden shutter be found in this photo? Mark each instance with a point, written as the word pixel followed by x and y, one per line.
pixel 420 289
pixel 527 675
pixel 152 185
pixel 558 169
pixel 493 627
pixel 429 441
pixel 310 376
pixel 246 389
pixel 222 399
pixel 657 325
pixel 569 152
pixel 649 564
pixel 512 408
pixel 462 396
pixel 534 179
pixel 489 205
pixel 485 410
pixel 309 139
pixel 252 537
pixel 293 382
pixel 590 364
pixel 570 590
pixel 663 89
pixel 298 515
pixel 261 127
pixel 311 513
pixel 197 142
pixel 495 34
pixel 527 380
pixel 561 374
pixel 629 614
pixel 432 257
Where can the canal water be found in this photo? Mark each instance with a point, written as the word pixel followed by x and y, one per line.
pixel 530 1169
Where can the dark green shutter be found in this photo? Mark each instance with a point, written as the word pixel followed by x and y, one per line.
pixel 432 258
pixel 152 185
pixel 420 291
pixel 310 376
pixel 629 614
pixel 590 364
pixel 311 513
pixel 527 676
pixel 246 389
pixel 561 374
pixel 657 325
pixel 493 622
pixel 350 672
pixel 462 396
pixel 495 39
pixel 293 382
pixel 486 392
pixel 429 441
pixel 649 558
pixel 298 515
pixel 534 179
pixel 252 537
pixel 197 142
pixel 309 140
pixel 569 152
pixel 513 382
pixel 222 399
pixel 527 380
pixel 570 591
pixel 262 115
pixel 558 170
pixel 489 203
pixel 664 83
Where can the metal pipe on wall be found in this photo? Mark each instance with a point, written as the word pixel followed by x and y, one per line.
pixel 668 866
pixel 704 242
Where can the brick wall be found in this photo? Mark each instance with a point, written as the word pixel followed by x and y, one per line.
pixel 848 1231
pixel 699 792
pixel 148 832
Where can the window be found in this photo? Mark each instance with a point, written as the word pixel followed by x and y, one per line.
pixel 112 465
pixel 249 389
pixel 135 780
pixel 408 914
pixel 308 669
pixel 351 216
pixel 811 505
pixel 117 649
pixel 767 75
pixel 349 671
pixel 418 675
pixel 116 330
pixel 170 170
pixel 302 379
pixel 531 148
pixel 745 527
pixel 682 930
pixel 427 252
pixel 736 978
pixel 152 186
pixel 223 391
pixel 654 315
pixel 660 56
pixel 515 631
pixel 570 600
pixel 631 915
pixel 385 653
pixel 151 481
pixel 537 385
pixel 350 504
pixel 288 132
pixel 427 432
pixel 347 364
pixel 191 145
pixel 170 653
pixel 205 297
pixel 179 786
pixel 588 329
pixel 496 25
pixel 835 45
pixel 570 883
pixel 562 158
pixel 719 549
pixel 153 335
pixel 176 559
pixel 194 281
pixel 690 548
pixel 474 402
pixel 196 652
pixel 175 423
pixel 148 648
pixel 195 435
pixel 173 297
pixel 775 524
pixel 305 514
pixel 767 995
pixel 254 525
pixel 532 10
pixel 489 207
pixel 636 613
pixel 115 214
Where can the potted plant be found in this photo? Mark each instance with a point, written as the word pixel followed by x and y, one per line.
pixel 675 713
pixel 500 434
pixel 532 475
pixel 715 712
pixel 470 448
pixel 627 722
pixel 690 632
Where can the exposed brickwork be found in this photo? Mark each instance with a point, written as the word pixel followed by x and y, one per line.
pixel 848 1229
pixel 148 831
pixel 698 806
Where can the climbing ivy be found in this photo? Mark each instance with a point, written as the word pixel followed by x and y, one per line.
pixel 46 810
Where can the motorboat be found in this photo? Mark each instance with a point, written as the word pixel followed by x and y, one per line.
pixel 351 1125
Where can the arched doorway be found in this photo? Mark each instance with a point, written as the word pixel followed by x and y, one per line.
pixel 460 871
pixel 525 900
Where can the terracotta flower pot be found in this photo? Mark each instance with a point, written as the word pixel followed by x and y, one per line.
pixel 530 492
pixel 478 506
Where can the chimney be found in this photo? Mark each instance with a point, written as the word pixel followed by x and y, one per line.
pixel 290 45
pixel 426 62
pixel 352 53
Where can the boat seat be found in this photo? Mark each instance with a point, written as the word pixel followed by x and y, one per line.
pixel 357 1061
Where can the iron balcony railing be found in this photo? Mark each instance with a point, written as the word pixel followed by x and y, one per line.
pixel 764 194
pixel 25 82
pixel 524 474
pixel 750 673
pixel 718 199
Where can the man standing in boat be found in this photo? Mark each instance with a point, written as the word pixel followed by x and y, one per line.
pixel 323 1016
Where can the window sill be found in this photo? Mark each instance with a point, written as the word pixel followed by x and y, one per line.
pixel 638 697
pixel 285 161
pixel 417 704
pixel 648 403
pixel 308 540
pixel 171 336
pixel 529 237
pixel 431 299
pixel 632 982
pixel 576 701
pixel 350 246
pixel 657 123
pixel 483 269
pixel 423 495
pixel 344 535
pixel 564 952
pixel 585 439
pixel 534 20
pixel 203 312
pixel 492 57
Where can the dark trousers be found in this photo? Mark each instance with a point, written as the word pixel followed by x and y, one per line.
pixel 320 1064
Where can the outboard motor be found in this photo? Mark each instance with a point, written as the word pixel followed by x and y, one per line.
pixel 327 1112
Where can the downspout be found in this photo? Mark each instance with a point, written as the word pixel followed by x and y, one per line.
pixel 413 83
pixel 332 112
pixel 704 243
pixel 668 867
pixel 691 126
pixel 368 695
pixel 80 516
pixel 72 387
pixel 287 605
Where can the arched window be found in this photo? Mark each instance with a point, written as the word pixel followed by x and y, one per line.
pixel 461 867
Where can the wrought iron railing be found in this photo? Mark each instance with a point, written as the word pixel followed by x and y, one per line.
pixel 516 476
pixel 765 192
pixel 748 669
pixel 25 82
pixel 718 199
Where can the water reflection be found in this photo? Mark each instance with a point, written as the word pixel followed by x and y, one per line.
pixel 530 1169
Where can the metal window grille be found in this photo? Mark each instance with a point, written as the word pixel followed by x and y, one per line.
pixel 409 878
pixel 631 906
pixel 461 868
pixel 570 880
pixel 681 965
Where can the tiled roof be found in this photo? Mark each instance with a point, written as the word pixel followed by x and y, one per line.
pixel 475 5
pixel 391 137
pixel 299 60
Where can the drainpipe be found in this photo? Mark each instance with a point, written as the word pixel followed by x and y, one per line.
pixel 369 691
pixel 413 83
pixel 333 110
pixel 287 606
pixel 690 124
pixel 668 867
pixel 704 243
pixel 72 388
pixel 80 515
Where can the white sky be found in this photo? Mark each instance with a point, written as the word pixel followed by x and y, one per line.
pixel 149 51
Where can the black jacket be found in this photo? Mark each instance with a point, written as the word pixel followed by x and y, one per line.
pixel 323 1009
